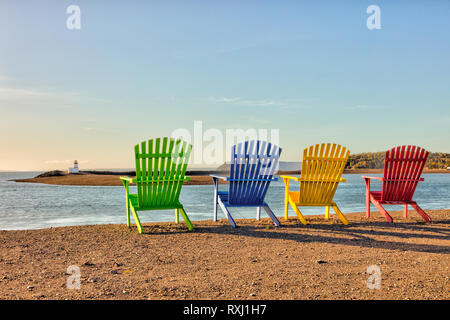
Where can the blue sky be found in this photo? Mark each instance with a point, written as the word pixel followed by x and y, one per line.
pixel 141 69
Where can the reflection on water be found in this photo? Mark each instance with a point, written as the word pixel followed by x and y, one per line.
pixel 32 206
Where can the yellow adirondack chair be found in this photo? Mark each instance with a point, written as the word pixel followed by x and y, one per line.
pixel 321 173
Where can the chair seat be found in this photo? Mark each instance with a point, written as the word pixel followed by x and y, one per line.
pixel 135 204
pixel 295 196
pixel 224 196
pixel 378 194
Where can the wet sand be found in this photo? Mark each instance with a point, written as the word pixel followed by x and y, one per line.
pixel 323 260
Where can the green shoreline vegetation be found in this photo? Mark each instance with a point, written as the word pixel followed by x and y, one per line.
pixel 375 160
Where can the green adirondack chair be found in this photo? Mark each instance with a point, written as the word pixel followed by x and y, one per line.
pixel 160 172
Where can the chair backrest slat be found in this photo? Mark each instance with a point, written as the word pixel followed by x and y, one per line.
pixel 322 168
pixel 253 164
pixel 167 177
pixel 160 169
pixel 403 166
pixel 182 162
pixel 145 172
pixel 138 175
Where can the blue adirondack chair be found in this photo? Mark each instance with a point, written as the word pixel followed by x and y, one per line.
pixel 253 164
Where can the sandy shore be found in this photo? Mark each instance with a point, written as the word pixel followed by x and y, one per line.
pixel 324 260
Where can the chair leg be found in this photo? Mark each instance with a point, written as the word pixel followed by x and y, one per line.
pixel 258 213
pixel 272 216
pixel 216 186
pixel 177 216
pixel 405 210
pixel 327 212
pixel 186 219
pixel 367 181
pixel 297 212
pixel 382 210
pixel 136 219
pixel 367 205
pixel 286 198
pixel 128 212
pixel 286 209
pixel 339 214
pixel 227 213
pixel 421 212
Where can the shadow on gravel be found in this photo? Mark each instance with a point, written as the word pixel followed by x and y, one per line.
pixel 361 234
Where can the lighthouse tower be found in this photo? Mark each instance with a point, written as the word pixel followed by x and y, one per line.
pixel 75 168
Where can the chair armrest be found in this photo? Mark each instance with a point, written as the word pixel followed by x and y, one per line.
pixel 214 176
pixel 310 180
pixel 290 177
pixel 128 179
pixel 370 177
pixel 253 179
pixel 383 179
pixel 131 180
pixel 243 179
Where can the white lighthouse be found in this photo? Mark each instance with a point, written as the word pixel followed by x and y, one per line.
pixel 75 168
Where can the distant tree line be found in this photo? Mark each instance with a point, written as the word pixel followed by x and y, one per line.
pixel 375 160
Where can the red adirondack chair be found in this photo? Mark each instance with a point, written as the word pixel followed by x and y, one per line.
pixel 403 166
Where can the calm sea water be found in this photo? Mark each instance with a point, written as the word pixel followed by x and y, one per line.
pixel 33 206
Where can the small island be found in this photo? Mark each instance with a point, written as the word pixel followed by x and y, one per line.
pixel 102 178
